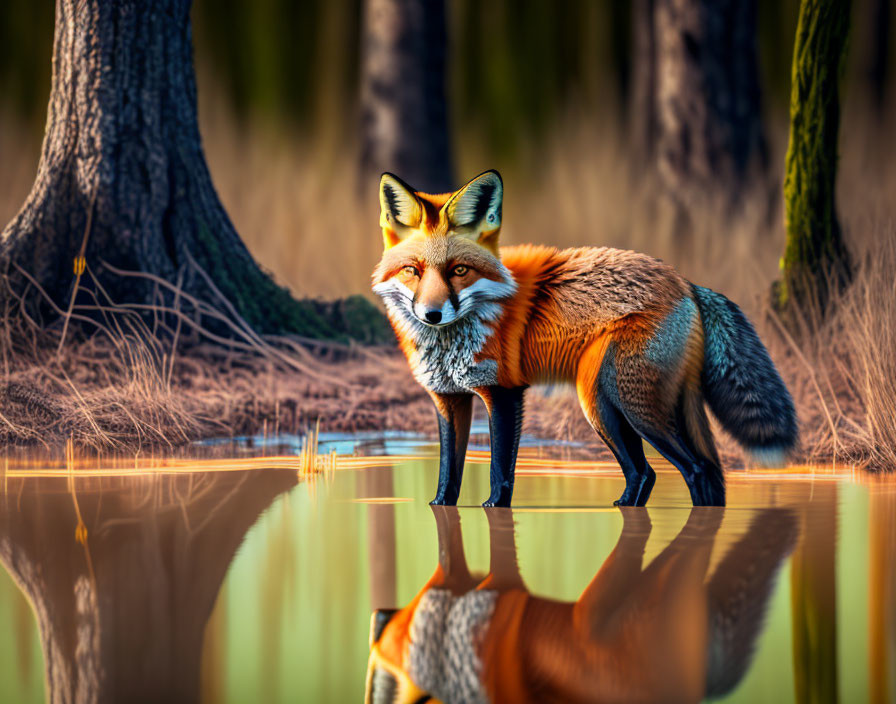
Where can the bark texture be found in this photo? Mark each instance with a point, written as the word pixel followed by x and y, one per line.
pixel 123 181
pixel 122 615
pixel 697 97
pixel 404 115
pixel 815 257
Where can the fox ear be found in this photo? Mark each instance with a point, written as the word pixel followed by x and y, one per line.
pixel 400 211
pixel 475 210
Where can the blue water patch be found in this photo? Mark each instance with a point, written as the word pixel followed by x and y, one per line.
pixel 387 442
pixel 371 443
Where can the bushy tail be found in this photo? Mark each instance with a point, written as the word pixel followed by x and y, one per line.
pixel 740 382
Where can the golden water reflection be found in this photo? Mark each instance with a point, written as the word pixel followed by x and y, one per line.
pixel 252 584
pixel 122 574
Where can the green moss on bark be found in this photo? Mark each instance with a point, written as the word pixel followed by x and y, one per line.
pixel 270 308
pixel 815 256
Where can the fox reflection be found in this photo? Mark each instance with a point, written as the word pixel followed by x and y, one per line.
pixel 667 633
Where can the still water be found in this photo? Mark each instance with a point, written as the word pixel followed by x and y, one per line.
pixel 259 585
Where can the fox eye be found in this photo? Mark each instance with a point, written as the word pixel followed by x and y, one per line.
pixel 411 270
pixel 460 270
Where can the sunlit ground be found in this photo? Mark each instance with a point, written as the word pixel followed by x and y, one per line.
pixel 254 579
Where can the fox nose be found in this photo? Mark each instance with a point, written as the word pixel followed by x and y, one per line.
pixel 433 316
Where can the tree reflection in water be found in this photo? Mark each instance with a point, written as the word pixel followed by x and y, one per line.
pixel 122 573
pixel 673 631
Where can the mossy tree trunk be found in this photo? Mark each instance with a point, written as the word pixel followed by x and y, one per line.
pixel 404 113
pixel 815 257
pixel 123 180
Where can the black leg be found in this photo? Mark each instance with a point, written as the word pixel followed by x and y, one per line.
pixel 626 446
pixel 454 412
pixel 702 475
pixel 505 410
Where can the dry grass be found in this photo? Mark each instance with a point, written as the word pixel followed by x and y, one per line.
pixel 122 395
pixel 843 370
pixel 127 389
pixel 304 215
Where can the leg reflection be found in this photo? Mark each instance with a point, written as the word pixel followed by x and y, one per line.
pixel 670 630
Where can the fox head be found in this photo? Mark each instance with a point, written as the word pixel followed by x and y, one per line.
pixel 441 261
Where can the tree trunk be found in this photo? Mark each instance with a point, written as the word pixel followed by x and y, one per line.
pixel 643 109
pixel 697 98
pixel 878 60
pixel 123 180
pixel 404 115
pixel 815 257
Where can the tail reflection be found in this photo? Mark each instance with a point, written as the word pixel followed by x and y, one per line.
pixel 667 632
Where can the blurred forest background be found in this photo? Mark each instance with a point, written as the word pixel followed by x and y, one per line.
pixel 548 93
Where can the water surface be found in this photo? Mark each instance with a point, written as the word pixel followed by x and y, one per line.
pixel 259 585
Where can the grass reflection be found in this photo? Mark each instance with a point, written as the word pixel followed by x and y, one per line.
pixel 121 575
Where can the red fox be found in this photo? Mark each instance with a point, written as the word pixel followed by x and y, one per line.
pixel 673 631
pixel 644 347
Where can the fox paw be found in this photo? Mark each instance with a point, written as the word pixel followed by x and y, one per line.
pixel 629 497
pixel 637 495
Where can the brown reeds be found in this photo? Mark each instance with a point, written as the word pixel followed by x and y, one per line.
pixel 127 377
pixel 842 367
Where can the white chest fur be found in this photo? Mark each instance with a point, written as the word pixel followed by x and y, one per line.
pixel 446 357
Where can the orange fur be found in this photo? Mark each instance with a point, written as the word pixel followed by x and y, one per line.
pixel 586 380
pixel 471 318
pixel 539 340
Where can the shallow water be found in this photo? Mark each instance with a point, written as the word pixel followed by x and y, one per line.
pixel 258 585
